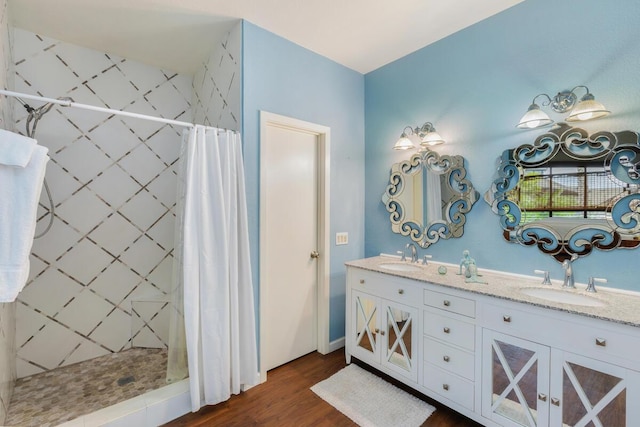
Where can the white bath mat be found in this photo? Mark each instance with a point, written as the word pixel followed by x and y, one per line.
pixel 370 401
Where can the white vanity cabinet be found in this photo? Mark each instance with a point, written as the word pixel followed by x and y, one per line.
pixel 496 359
pixel 533 376
pixel 383 326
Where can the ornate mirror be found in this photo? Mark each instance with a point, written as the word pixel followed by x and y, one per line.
pixel 570 192
pixel 428 197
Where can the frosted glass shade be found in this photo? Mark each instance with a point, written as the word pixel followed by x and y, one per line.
pixel 534 118
pixel 404 143
pixel 587 109
pixel 432 138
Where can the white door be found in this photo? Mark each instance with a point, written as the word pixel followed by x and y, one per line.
pixel 289 225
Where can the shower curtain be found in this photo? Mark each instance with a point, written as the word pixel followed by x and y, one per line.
pixel 213 274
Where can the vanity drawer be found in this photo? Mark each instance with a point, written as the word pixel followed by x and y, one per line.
pixel 454 331
pixel 448 385
pixel 512 321
pixel 449 358
pixel 454 304
pixel 394 289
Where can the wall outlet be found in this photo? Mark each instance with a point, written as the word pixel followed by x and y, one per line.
pixel 342 238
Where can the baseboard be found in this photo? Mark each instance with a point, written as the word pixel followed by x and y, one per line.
pixel 336 344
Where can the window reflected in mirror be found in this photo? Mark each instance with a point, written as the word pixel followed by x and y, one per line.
pixel 569 192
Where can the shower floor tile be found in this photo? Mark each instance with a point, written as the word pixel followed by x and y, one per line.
pixel 60 395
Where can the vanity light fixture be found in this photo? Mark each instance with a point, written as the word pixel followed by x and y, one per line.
pixel 426 133
pixel 588 108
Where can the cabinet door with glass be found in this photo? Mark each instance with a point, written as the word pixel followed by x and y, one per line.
pixel 515 380
pixel 589 392
pixel 385 333
pixel 400 338
pixel 365 327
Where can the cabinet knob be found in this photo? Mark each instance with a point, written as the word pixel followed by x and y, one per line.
pixel 446 330
pixel 362 281
pixel 446 303
pixel 555 401
pixel 445 358
pixel 506 318
pixel 377 331
pixel 445 387
pixel 542 397
pixel 401 291
pixel 601 342
pixel 382 333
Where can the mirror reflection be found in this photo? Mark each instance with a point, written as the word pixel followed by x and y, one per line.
pixel 570 192
pixel 428 197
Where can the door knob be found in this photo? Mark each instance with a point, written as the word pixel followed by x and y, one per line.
pixel 314 254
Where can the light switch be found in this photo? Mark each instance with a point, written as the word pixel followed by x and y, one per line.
pixel 342 238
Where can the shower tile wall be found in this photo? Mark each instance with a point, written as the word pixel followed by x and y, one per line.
pixel 216 86
pixel 7 311
pixel 99 278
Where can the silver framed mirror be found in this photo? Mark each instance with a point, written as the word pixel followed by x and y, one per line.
pixel 428 197
pixel 570 192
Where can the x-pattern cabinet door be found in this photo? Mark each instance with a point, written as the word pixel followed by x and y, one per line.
pixel 589 392
pixel 515 380
pixel 385 332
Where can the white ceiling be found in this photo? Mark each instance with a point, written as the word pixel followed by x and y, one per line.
pixel 178 34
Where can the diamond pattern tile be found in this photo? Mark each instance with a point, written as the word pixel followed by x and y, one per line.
pixel 96 259
pixel 143 164
pixel 143 210
pixel 116 282
pixel 50 292
pixel 94 160
pixel 85 312
pixel 83 210
pixel 84 261
pixel 144 254
pixel 114 186
pixel 115 234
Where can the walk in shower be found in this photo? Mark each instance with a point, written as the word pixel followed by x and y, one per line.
pixel 98 292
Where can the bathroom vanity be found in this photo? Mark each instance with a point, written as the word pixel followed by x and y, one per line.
pixel 511 352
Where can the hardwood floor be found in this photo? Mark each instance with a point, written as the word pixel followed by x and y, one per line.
pixel 286 400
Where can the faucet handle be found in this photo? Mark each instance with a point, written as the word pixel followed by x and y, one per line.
pixel 404 255
pixel 546 280
pixel 591 286
pixel 425 258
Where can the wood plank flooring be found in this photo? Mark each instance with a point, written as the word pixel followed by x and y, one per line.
pixel 286 400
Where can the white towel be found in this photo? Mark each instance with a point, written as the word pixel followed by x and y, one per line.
pixel 15 149
pixel 20 187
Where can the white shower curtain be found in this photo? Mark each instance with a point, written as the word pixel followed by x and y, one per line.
pixel 213 269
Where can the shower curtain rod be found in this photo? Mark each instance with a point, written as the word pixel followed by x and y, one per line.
pixel 67 103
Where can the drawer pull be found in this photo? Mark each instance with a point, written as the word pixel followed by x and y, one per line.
pixel 445 358
pixel 446 303
pixel 506 318
pixel 542 397
pixel 555 401
pixel 446 330
pixel 362 281
pixel 445 387
pixel 601 342
pixel 401 291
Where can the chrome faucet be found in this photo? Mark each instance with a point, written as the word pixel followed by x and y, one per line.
pixel 569 281
pixel 414 252
pixel 591 286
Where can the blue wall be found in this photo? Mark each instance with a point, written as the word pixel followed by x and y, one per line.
pixel 283 78
pixel 475 85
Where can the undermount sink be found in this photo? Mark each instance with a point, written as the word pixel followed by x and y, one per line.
pixel 564 297
pixel 396 266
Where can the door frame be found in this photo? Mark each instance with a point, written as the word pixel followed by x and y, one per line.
pixel 323 134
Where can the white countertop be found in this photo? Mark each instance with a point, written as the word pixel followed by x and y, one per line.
pixel 619 306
